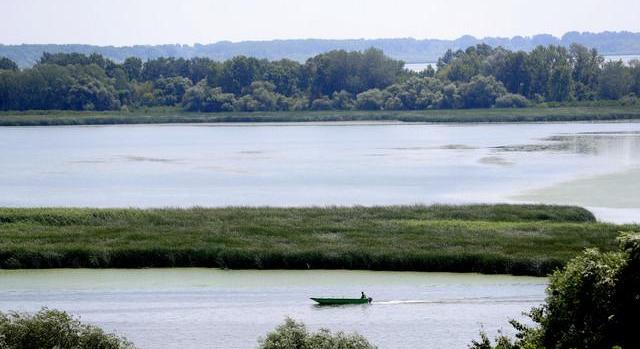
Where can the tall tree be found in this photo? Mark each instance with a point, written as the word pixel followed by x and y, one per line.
pixel 7 64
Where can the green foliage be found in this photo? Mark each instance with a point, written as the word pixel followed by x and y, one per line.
pixel 207 99
pixel 635 77
pixel 322 103
pixel 7 64
pixel 353 72
pixel 520 239
pixel 133 67
pixel 511 100
pixel 373 99
pixel 594 302
pixel 261 96
pixel 239 72
pixel 614 80
pixel 54 329
pixel 417 93
pixel 501 342
pixel 204 98
pixel 294 335
pixel 170 91
pixel 477 77
pixel 481 92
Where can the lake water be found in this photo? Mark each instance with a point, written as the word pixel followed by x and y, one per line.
pixel 420 66
pixel 209 308
pixel 590 164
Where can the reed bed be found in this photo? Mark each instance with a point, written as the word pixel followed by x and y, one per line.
pixel 512 239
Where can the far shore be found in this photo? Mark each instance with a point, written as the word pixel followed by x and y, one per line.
pixel 178 116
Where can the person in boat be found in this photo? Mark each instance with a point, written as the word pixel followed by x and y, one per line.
pixel 363 296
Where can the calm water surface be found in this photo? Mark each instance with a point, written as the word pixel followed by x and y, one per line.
pixel 323 164
pixel 418 67
pixel 209 308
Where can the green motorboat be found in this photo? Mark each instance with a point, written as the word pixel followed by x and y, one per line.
pixel 342 301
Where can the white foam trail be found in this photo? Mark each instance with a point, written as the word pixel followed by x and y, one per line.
pixel 488 300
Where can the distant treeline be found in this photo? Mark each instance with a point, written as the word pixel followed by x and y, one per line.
pixel 478 77
pixel 406 49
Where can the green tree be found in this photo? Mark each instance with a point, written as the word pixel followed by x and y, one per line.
pixel 201 68
pixel 464 65
pixel 560 83
pixel 550 73
pixel 511 69
pixel 164 67
pixel 204 98
pixel 634 67
pixel 286 76
pixel 260 96
pixel 372 99
pixel 593 303
pixel 342 100
pixel 7 64
pixel 614 81
pixel 169 91
pixel 481 92
pixel 133 67
pixel 353 72
pixel 322 103
pixel 239 72
pixel 511 100
pixel 586 68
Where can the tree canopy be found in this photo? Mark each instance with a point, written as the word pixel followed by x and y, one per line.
pixel 593 303
pixel 479 77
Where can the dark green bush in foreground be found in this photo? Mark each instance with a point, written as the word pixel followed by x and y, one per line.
pixel 593 303
pixel 53 329
pixel 294 335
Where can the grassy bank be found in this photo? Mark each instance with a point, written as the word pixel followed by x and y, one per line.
pixel 521 239
pixel 157 116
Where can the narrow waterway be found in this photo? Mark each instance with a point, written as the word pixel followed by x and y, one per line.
pixel 210 308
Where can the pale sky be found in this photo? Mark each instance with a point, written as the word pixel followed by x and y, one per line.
pixel 128 22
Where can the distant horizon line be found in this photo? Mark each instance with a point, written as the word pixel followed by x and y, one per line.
pixel 463 37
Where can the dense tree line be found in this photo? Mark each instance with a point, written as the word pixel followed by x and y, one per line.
pixel 478 77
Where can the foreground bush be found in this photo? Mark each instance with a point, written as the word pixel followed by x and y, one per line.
pixel 49 329
pixel 294 335
pixel 593 303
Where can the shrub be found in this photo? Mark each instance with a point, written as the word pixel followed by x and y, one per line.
pixel 54 329
pixel 593 303
pixel 342 100
pixel 294 335
pixel 370 100
pixel 511 100
pixel 322 103
pixel 630 100
pixel 481 92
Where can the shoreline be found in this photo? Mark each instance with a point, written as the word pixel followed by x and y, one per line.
pixel 439 116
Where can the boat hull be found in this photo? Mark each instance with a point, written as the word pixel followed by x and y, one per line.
pixel 341 301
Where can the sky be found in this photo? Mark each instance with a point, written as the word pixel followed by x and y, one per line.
pixel 129 22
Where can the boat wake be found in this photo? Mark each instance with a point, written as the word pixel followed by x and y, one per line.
pixel 478 300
